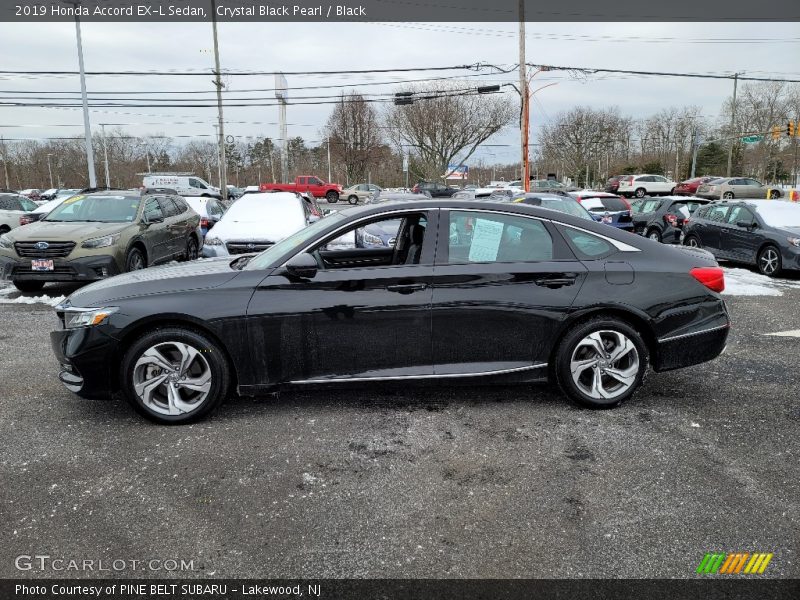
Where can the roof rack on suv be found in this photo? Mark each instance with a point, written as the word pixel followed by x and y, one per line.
pixel 92 190
pixel 159 190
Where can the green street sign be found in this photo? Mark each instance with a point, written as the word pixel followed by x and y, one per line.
pixel 752 139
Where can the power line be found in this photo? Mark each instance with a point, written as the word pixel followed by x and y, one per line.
pixel 593 70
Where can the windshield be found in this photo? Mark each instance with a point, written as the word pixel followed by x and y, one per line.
pixel 296 241
pixel 780 214
pixel 565 206
pixel 103 209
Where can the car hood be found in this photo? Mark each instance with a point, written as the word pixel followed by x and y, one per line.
pixel 257 231
pixel 174 277
pixel 68 232
pixel 793 231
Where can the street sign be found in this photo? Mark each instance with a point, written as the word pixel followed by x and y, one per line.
pixel 752 139
pixel 405 163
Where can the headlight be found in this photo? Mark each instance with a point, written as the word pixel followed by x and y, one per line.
pixel 86 317
pixel 213 241
pixel 372 240
pixel 5 242
pixel 794 242
pixel 101 242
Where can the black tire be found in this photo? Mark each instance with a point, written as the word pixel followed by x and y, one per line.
pixel 28 286
pixel 571 346
pixel 4 229
pixel 192 249
pixel 135 260
pixel 353 200
pixel 727 196
pixel 774 194
pixel 332 197
pixel 640 192
pixel 769 261
pixel 208 350
pixel 692 241
pixel 653 234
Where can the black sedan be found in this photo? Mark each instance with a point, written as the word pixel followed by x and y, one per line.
pixel 764 233
pixel 468 290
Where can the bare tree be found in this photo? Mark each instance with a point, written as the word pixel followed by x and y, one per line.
pixel 450 123
pixel 354 134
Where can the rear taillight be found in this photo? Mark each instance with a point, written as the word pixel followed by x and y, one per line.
pixel 25 219
pixel 204 223
pixel 711 277
pixel 671 220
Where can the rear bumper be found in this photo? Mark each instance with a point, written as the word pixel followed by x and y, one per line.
pixel 88 268
pixel 691 348
pixel 84 361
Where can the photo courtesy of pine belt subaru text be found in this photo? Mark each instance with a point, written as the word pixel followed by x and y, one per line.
pixel 463 291
pixel 94 236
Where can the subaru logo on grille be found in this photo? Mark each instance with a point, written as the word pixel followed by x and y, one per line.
pixel 42 245
pixel 250 246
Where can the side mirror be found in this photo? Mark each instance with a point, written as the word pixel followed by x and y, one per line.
pixel 745 225
pixel 302 265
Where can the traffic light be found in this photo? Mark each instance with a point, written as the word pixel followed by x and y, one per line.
pixel 776 132
pixel 790 129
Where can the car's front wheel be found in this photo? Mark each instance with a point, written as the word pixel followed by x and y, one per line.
pixel 693 242
pixel 769 261
pixel 654 234
pixel 600 363
pixel 774 194
pixel 28 286
pixel 135 260
pixel 192 249
pixel 727 196
pixel 174 375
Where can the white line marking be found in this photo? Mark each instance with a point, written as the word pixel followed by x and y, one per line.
pixel 792 333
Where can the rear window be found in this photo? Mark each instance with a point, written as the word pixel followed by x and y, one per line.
pixel 647 206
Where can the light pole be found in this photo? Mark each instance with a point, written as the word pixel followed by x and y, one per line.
pixel 87 129
pixel 223 177
pixel 733 124
pixel 50 170
pixel 105 156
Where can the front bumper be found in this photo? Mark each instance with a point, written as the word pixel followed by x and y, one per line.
pixel 214 251
pixel 84 355
pixel 87 268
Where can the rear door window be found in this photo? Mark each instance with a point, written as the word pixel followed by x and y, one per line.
pixel 168 207
pixel 717 214
pixel 477 237
pixel 586 245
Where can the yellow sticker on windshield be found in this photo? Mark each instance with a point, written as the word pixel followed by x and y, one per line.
pixel 73 199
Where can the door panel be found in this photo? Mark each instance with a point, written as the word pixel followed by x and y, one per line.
pixel 741 243
pixel 156 236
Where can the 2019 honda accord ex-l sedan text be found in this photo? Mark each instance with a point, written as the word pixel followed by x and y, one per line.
pixel 469 289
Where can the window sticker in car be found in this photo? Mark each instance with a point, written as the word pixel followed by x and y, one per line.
pixel 485 240
pixel 73 199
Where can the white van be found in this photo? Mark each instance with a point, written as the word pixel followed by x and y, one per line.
pixel 185 185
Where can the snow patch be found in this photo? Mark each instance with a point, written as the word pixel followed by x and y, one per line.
pixel 741 282
pixel 43 299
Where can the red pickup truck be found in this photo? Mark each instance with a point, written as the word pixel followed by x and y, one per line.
pixel 307 183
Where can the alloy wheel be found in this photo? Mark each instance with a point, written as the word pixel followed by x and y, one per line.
pixel 692 242
pixel 768 262
pixel 604 364
pixel 172 378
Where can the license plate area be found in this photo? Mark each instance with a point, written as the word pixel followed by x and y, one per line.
pixel 607 220
pixel 41 264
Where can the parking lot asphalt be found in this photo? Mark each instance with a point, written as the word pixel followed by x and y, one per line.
pixel 509 481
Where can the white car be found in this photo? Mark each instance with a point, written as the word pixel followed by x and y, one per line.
pixel 645 185
pixel 257 221
pixel 12 207
pixel 209 209
pixel 184 185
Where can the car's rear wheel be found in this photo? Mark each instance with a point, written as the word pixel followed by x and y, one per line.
pixel 28 286
pixel 4 229
pixel 601 363
pixel 135 260
pixel 769 261
pixel 192 249
pixel 174 375
pixel 774 194
pixel 640 192
pixel 728 195
pixel 693 242
pixel 353 199
pixel 654 234
pixel 332 197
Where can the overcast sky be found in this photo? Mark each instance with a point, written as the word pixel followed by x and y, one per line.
pixel 761 50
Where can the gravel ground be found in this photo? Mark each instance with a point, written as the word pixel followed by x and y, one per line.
pixel 413 482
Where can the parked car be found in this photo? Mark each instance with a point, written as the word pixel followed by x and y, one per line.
pixel 359 193
pixel 436 190
pixel 40 211
pixel 645 185
pixel 727 188
pixel 387 196
pixel 606 208
pixel 184 185
pixel 764 233
pixel 689 187
pixel 519 293
pixel 663 219
pixel 550 185
pixel 48 194
pixel 234 192
pixel 561 203
pixel 612 185
pixel 210 211
pixel 307 183
pixel 98 235
pixel 12 207
pixel 257 221
pixel 31 193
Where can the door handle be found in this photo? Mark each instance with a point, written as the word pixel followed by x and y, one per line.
pixel 555 282
pixel 406 288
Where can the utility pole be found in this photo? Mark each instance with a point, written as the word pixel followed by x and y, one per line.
pixel 105 156
pixel 733 124
pixel 523 92
pixel 219 159
pixel 695 148
pixel 223 178
pixel 50 169
pixel 281 93
pixel 329 158
pixel 5 161
pixel 87 129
